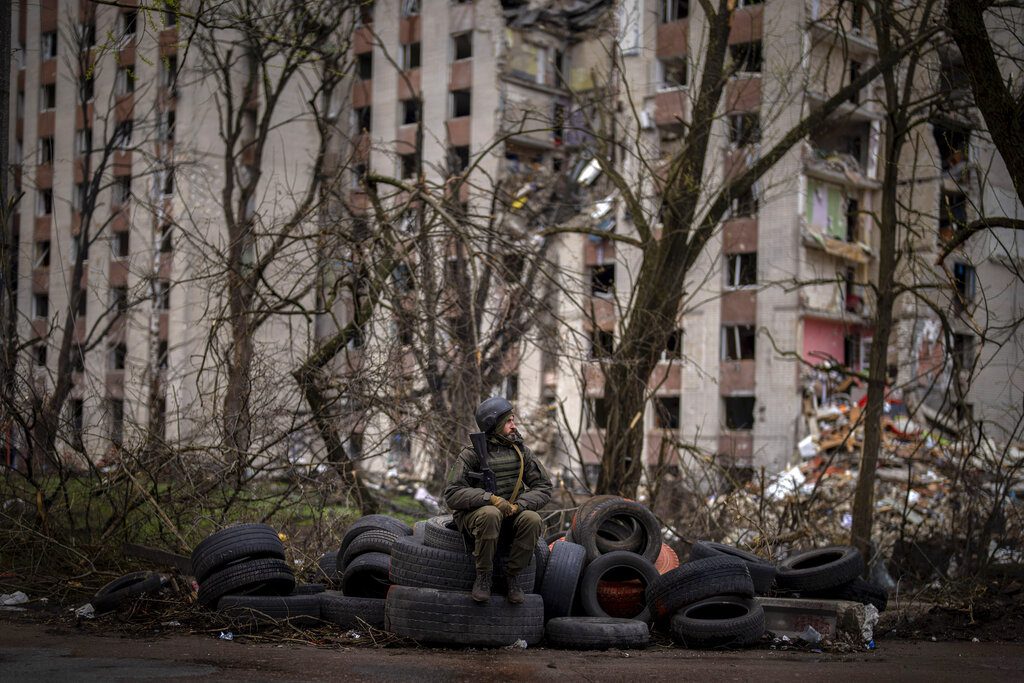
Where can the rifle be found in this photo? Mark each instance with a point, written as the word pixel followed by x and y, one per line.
pixel 486 476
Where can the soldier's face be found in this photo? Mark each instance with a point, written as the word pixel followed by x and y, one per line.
pixel 509 426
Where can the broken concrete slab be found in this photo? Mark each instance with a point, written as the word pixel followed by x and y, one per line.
pixel 791 616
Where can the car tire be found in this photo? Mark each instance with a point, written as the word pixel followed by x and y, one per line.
pixel 562 577
pixel 443 617
pixel 440 532
pixel 124 588
pixel 351 612
pixel 233 543
pixel 415 564
pixel 370 541
pixel 696 581
pixel 265 576
pixel 820 569
pixel 596 633
pixel 327 567
pixel 720 621
pixel 621 566
pixel 762 572
pixel 585 531
pixel 266 610
pixel 366 576
pixel 385 522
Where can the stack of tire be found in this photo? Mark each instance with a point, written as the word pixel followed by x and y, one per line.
pixel 832 573
pixel 708 602
pixel 597 575
pixel 242 572
pixel 433 572
pixel 362 568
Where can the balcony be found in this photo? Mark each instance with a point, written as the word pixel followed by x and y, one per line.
pixel 838 168
pixel 673 39
pixel 858 42
pixel 671 108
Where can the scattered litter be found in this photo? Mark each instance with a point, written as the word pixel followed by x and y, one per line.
pixel 171 623
pixel 867 629
pixel 354 635
pixel 15 598
pixel 810 635
pixel 975 640
pixel 86 611
pixel 518 645
pixel 226 635
pixel 870 645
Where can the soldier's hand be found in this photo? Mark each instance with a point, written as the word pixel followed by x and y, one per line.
pixel 503 505
pixel 515 510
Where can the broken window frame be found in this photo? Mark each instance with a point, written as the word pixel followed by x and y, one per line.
pixel 602 343
pixel 596 412
pixel 735 407
pixel 741 270
pixel 462 40
pixel 412 111
pixel 364 66
pixel 667 412
pixel 602 280
pixel 965 279
pixel 674 10
pixel 461 103
pixel 739 342
pixel 411 56
pixel 744 128
pixel 673 346
pixel 670 70
pixel 748 58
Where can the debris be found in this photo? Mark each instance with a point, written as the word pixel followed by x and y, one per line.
pixel 86 611
pixel 518 645
pixel 15 598
pixel 870 620
pixel 226 635
pixel 810 635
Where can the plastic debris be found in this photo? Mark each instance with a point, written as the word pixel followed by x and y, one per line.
pixel 15 598
pixel 870 645
pixel 810 635
pixel 808 449
pixel 226 635
pixel 86 611
pixel 867 629
pixel 171 623
pixel 518 645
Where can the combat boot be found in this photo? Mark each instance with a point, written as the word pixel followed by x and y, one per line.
pixel 482 586
pixel 515 594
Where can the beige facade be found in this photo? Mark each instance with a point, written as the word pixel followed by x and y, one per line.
pixel 732 384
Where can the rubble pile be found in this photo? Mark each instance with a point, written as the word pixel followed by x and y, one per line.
pixel 934 497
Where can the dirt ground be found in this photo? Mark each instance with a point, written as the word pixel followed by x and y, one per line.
pixel 33 651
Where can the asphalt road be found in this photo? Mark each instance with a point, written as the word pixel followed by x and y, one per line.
pixel 39 652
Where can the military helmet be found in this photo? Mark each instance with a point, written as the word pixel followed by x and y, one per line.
pixel 490 414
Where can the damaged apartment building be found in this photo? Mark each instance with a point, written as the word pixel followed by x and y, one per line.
pixel 530 73
pixel 516 89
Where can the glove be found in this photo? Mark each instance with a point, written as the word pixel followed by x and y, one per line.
pixel 507 508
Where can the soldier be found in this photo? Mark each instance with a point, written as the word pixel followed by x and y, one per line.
pixel 521 487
